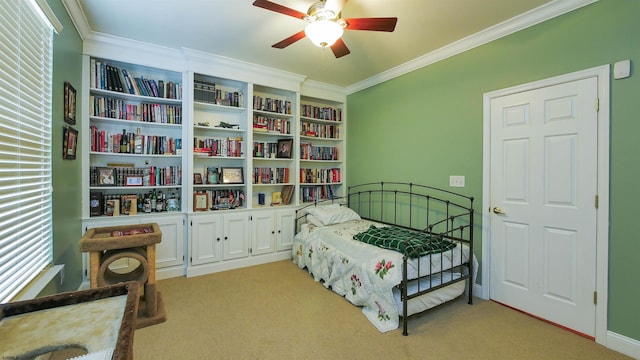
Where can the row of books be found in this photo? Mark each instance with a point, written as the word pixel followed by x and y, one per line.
pixel 272 125
pixel 316 193
pixel 319 176
pixel 270 175
pixel 124 176
pixel 265 150
pixel 271 105
pixel 223 147
pixel 206 92
pixel 108 77
pixel 104 141
pixel 310 152
pixel 319 130
pixel 113 108
pixel 321 112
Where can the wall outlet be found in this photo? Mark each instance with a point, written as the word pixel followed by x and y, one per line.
pixel 456 181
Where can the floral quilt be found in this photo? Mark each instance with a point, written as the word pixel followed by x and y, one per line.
pixel 364 274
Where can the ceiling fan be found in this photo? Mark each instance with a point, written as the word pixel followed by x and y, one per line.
pixel 325 25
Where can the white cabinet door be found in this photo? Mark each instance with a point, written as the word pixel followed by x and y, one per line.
pixel 170 251
pixel 262 232
pixel 206 239
pixel 285 223
pixel 236 236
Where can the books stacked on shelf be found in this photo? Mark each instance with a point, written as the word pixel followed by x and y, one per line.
pixel 135 176
pixel 316 193
pixel 321 113
pixel 311 129
pixel 271 125
pixel 320 176
pixel 108 77
pixel 265 150
pixel 104 141
pixel 109 107
pixel 223 199
pixel 310 152
pixel 221 147
pixel 206 92
pixel 265 175
pixel 271 105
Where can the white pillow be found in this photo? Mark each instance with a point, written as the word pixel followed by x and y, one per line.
pixel 331 214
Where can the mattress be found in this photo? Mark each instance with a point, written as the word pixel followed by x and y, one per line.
pixel 367 275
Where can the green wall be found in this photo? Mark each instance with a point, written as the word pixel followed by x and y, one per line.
pixel 67 177
pixel 427 124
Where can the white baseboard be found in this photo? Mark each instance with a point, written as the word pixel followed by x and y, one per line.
pixel 623 344
pixel 204 269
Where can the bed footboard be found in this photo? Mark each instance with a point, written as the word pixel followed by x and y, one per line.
pixel 435 215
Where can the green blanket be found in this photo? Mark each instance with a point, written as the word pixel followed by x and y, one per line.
pixel 411 243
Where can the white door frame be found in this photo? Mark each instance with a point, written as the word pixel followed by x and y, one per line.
pixel 602 225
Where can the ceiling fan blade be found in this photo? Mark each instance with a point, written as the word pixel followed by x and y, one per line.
pixel 290 40
pixel 372 24
pixel 265 4
pixel 335 5
pixel 340 49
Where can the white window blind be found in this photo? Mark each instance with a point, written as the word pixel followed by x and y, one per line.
pixel 25 145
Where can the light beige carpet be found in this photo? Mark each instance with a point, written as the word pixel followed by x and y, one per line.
pixel 277 311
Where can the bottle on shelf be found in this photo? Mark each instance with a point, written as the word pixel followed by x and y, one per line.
pixel 147 203
pixel 154 200
pixel 124 142
pixel 159 202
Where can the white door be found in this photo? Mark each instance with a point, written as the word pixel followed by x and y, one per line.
pixel 543 194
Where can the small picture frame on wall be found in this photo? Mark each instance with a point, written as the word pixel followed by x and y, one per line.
pixel 69 104
pixel 69 143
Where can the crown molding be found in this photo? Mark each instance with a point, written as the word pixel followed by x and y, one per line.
pixel 222 66
pixel 525 20
pixel 79 20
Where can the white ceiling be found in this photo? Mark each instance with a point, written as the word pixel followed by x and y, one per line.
pixel 239 30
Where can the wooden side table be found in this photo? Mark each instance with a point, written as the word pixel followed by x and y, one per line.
pixel 109 244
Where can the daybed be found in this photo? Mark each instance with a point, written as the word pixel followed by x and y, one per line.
pixel 395 249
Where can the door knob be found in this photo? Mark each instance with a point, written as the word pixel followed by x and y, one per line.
pixel 499 211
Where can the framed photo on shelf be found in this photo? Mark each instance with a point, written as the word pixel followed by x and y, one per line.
pixel 133 180
pixel 106 176
pixel 284 148
pixel 200 201
pixel 232 175
pixel 197 179
pixel 69 143
pixel 69 103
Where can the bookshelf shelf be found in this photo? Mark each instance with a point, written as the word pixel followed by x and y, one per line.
pixel 322 149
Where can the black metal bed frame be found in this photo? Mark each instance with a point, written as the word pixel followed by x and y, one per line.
pixel 436 212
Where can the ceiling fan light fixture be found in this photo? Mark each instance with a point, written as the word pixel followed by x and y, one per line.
pixel 323 33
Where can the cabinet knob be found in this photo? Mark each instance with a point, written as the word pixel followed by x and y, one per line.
pixel 225 238
pixel 218 239
pixel 273 232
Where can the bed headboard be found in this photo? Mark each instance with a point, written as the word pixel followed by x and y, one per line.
pixel 414 206
pixel 409 205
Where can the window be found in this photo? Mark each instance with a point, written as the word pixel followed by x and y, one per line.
pixel 25 145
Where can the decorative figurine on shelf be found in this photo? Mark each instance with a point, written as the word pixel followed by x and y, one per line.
pixel 228 126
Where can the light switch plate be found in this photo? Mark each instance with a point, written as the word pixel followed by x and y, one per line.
pixel 456 181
